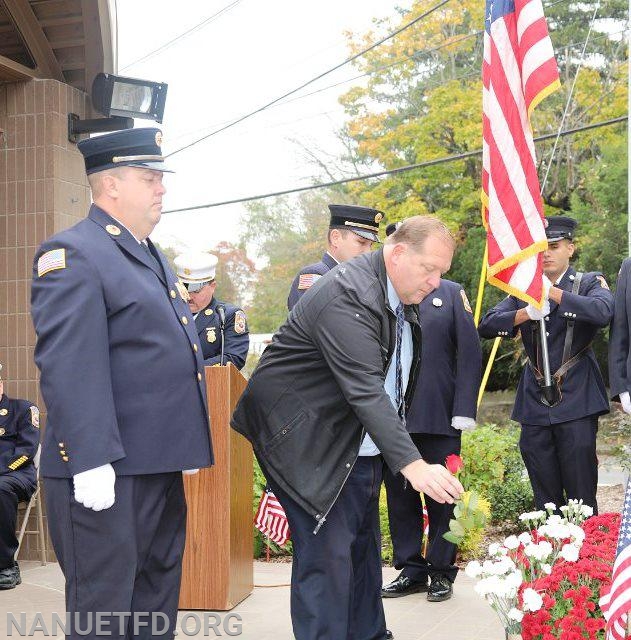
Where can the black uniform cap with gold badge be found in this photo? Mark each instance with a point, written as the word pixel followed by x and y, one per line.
pixel 560 228
pixel 363 221
pixel 129 148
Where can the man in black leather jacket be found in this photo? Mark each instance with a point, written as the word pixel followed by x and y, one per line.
pixel 324 409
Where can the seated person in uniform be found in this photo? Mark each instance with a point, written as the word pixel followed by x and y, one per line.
pixel 19 437
pixel 222 327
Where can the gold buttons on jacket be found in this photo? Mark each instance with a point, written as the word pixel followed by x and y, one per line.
pixel 195 348
pixel 3 412
pixel 173 294
pixel 184 320
pixel 2 431
pixel 65 458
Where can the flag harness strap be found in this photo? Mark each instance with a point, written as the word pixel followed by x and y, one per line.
pixel 566 362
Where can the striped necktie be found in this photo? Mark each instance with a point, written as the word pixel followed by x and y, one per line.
pixel 399 398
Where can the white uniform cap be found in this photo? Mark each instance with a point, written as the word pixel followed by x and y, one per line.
pixel 194 267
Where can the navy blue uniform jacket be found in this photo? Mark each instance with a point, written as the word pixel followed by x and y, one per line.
pixel 619 352
pixel 236 336
pixel 451 363
pixel 318 269
pixel 121 372
pixel 583 390
pixel 19 434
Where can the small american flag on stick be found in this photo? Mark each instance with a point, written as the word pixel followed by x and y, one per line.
pixel 270 518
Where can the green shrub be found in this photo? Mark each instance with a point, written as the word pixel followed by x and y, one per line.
pixel 386 538
pixel 485 452
pixel 510 498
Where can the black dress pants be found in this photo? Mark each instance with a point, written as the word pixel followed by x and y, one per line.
pixel 126 559
pixel 405 516
pixel 336 573
pixel 561 461
pixel 15 487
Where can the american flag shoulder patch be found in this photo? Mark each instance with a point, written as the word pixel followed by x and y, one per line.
pixel 307 280
pixel 51 260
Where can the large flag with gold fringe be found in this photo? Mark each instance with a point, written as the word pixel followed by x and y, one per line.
pixel 518 71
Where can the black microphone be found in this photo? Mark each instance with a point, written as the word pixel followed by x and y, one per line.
pixel 221 312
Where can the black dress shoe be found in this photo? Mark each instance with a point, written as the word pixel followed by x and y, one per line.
pixel 10 577
pixel 389 635
pixel 403 586
pixel 440 589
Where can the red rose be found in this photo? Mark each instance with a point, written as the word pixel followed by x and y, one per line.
pixel 454 463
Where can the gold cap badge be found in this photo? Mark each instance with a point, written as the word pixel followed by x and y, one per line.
pixel 379 218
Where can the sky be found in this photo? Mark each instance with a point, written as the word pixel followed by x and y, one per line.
pixel 246 56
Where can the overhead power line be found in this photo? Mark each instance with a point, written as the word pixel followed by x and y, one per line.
pixel 321 75
pixel 410 167
pixel 170 43
pixel 415 54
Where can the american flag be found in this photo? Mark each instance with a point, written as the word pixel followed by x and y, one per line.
pixel 271 520
pixel 425 526
pixel 307 280
pixel 518 71
pixel 616 604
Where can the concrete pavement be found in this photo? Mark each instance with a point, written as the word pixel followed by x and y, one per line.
pixel 265 613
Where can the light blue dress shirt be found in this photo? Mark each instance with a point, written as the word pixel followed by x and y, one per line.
pixel 368 447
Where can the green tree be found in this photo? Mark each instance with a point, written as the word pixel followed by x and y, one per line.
pixel 422 101
pixel 285 234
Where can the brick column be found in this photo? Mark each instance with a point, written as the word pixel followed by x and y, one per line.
pixel 43 189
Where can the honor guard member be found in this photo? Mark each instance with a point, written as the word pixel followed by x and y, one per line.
pixel 558 435
pixel 443 405
pixel 352 231
pixel 619 338
pixel 123 381
pixel 323 410
pixel 19 437
pixel 222 327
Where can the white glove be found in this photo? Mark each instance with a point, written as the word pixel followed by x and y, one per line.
pixel 625 401
pixel 190 472
pixel 462 423
pixel 546 286
pixel 94 488
pixel 535 314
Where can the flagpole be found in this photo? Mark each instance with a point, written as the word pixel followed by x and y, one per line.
pixel 487 371
pixel 478 302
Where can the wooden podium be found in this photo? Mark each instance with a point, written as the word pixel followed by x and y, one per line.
pixel 217 571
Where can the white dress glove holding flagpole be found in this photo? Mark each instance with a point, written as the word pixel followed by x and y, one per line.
pixel 94 488
pixel 533 312
pixel 625 401
pixel 190 472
